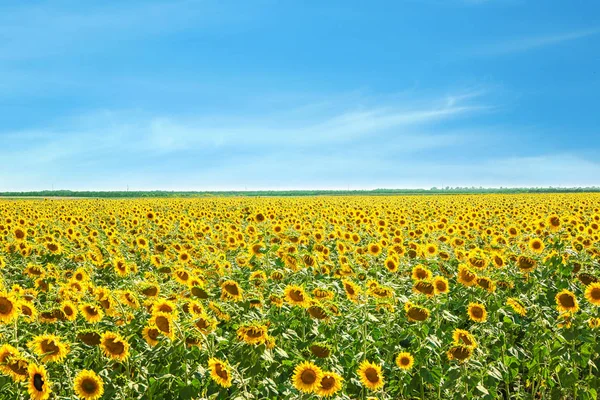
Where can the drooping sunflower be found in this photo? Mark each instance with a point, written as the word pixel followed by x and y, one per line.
pixel 424 287
pixel 466 276
pixel 421 273
pixel 516 306
pixel 370 375
pixel 219 372
pixel 391 264
pixel 50 347
pixel 526 264
pixel 88 385
pixel 164 323
pixel 92 313
pixel 352 290
pixel 254 334
pixel 592 293
pixel 329 384
pixel 566 302
pixel 38 385
pixel 460 352
pixel 9 307
pixel 230 290
pixel 12 363
pixel 553 221
pixel 307 377
pixel 416 313
pixel 405 361
pixel 477 312
pixel 114 346
pixel 295 295
pixel 463 337
pixel 320 350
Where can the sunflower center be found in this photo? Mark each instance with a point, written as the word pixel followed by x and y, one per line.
pixel 327 382
pixel 163 324
pixel 48 347
pixel 114 347
pixel 232 289
pixel 308 377
pixel 296 295
pixel 38 382
pixel 477 312
pixel 566 300
pixel 372 375
pixel 6 306
pixel 89 386
pixel 595 293
pixel 404 361
pixel 221 372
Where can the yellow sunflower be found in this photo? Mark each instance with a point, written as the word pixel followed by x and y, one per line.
pixel 441 285
pixel 405 361
pixel 219 372
pixel 92 313
pixel 151 334
pixel 230 290
pixel 114 346
pixel 9 307
pixel 88 385
pixel 50 347
pixel 295 295
pixel 463 337
pixel 370 375
pixel 330 384
pixel 566 302
pixel 307 377
pixel 38 385
pixel 164 323
pixel 536 245
pixel 477 312
pixel 460 352
pixel 592 293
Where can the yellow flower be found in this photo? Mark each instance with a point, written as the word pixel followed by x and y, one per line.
pixel 566 301
pixel 88 385
pixel 114 346
pixel 49 347
pixel 370 375
pixel 329 384
pixel 307 377
pixel 38 385
pixel 477 312
pixel 463 337
pixel 405 361
pixel 296 296
pixel 592 293
pixel 9 308
pixel 219 372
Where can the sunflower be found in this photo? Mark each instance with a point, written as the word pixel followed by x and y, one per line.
pixel 536 245
pixel 424 287
pixel 205 324
pixel 307 377
pixel 9 307
pixel 352 290
pixel 460 352
pixel 38 385
pixel 164 323
pixel 219 372
pixel 592 293
pixel 151 334
pixel 420 273
pixel 28 310
pixel 295 295
pixel 486 284
pixel 12 363
pixel 114 346
pixel 254 334
pixel 463 337
pixel 405 361
pixel 317 312
pixel 92 313
pixel 566 302
pixel 370 375
pixel 320 350
pixel 50 347
pixel 553 221
pixel 88 385
pixel 526 264
pixel 594 323
pixel 391 264
pixel 416 313
pixel 516 306
pixel 329 384
pixel 466 276
pixel 477 312
pixel 375 249
pixel 441 285
pixel 165 306
pixel 230 290
pixel 69 310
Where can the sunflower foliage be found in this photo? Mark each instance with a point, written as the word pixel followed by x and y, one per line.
pixel 430 297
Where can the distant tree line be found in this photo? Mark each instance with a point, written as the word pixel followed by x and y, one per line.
pixel 257 193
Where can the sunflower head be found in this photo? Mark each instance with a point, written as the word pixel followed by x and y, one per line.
pixel 88 385
pixel 477 312
pixel 405 361
pixel 370 375
pixel 592 293
pixel 566 302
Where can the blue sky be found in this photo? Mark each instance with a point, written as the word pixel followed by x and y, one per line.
pixel 265 94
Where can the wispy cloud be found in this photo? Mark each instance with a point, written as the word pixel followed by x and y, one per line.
pixel 522 44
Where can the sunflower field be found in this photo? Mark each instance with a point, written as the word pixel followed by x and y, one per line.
pixel 400 297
